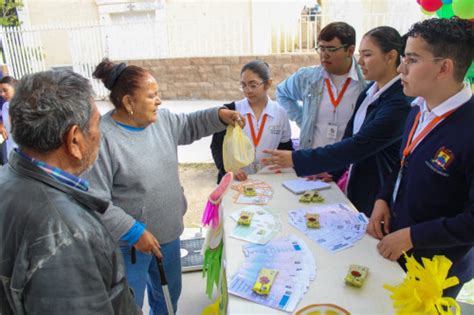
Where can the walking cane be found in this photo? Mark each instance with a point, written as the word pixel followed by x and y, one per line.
pixel 164 286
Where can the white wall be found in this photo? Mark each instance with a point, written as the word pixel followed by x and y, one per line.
pixel 354 12
pixel 215 27
pixel 44 12
pixel 270 18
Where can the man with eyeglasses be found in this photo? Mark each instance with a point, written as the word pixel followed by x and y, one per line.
pixel 427 205
pixel 328 92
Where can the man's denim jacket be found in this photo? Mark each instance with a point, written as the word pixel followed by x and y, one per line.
pixel 306 85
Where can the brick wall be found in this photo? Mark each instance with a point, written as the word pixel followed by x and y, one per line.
pixel 216 78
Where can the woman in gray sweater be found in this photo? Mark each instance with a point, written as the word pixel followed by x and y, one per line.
pixel 137 170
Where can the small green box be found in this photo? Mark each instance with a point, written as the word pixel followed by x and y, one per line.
pixel 265 280
pixel 356 275
pixel 312 220
pixel 307 196
pixel 245 218
pixel 249 191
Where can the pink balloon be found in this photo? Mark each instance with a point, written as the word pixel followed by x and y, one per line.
pixel 431 5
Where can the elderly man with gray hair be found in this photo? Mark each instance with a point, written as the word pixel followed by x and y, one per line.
pixel 56 257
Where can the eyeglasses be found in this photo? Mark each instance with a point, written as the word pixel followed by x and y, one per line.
pixel 251 86
pixel 328 49
pixel 409 60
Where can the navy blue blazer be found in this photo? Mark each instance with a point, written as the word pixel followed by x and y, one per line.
pixel 436 193
pixel 373 151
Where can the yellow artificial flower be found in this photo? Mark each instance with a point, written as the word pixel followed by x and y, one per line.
pixel 421 292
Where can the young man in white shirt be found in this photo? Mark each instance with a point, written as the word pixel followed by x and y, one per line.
pixel 328 92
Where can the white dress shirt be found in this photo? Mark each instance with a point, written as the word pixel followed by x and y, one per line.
pixel 339 118
pixel 373 93
pixel 451 103
pixel 276 130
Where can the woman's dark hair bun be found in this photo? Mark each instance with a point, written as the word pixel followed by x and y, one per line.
pixel 102 70
pixel 109 72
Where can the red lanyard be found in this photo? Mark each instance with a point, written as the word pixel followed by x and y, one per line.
pixel 256 139
pixel 411 143
pixel 335 102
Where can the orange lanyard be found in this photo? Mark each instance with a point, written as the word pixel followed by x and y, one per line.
pixel 411 143
pixel 335 102
pixel 256 139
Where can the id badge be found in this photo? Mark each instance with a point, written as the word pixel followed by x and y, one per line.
pixel 397 185
pixel 331 132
